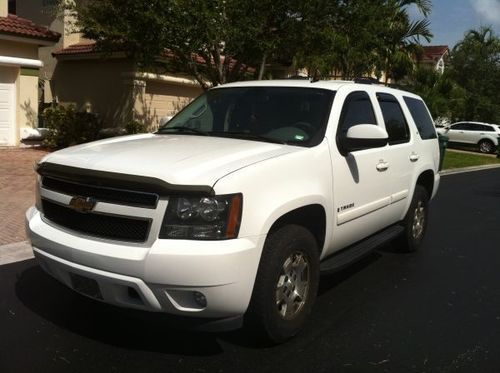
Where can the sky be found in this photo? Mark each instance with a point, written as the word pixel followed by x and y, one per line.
pixel 450 19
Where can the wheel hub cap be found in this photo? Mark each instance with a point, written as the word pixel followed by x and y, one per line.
pixel 485 147
pixel 293 286
pixel 418 220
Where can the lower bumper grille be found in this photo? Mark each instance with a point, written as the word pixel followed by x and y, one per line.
pixel 98 225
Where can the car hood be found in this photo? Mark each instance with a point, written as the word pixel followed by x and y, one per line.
pixel 176 159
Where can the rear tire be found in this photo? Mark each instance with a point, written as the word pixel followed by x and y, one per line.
pixel 486 146
pixel 415 222
pixel 286 285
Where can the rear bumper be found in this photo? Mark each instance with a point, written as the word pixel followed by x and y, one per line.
pixel 166 277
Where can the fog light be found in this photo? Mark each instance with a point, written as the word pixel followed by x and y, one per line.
pixel 200 299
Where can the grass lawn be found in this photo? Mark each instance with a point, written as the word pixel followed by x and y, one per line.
pixel 458 160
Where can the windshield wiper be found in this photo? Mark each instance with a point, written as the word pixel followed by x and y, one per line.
pixel 183 129
pixel 247 135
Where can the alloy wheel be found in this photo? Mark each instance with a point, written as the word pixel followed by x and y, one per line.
pixel 485 147
pixel 418 220
pixel 293 285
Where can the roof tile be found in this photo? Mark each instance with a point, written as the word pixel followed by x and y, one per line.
pixel 17 26
pixel 78 48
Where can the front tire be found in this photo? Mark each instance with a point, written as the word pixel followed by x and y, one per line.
pixel 286 284
pixel 415 221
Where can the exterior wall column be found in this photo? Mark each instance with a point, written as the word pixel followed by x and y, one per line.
pixel 133 108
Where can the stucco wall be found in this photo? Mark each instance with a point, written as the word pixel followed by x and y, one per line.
pixel 44 12
pixel 27 104
pixel 96 85
pixel 17 49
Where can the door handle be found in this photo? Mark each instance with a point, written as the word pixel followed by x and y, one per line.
pixel 382 166
pixel 414 157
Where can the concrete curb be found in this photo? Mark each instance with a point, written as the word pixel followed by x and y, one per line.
pixel 468 169
pixel 15 252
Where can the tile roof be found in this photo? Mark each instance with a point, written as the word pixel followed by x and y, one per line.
pixel 435 49
pixel 78 48
pixel 17 26
pixel 89 46
pixel 434 53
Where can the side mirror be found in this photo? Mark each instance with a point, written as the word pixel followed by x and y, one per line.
pixel 364 136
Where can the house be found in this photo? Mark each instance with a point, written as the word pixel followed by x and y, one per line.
pixel 110 85
pixel 113 87
pixel 20 40
pixel 435 57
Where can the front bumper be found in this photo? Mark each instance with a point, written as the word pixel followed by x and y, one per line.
pixel 163 277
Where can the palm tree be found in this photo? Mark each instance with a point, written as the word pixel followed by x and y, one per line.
pixel 475 66
pixel 403 36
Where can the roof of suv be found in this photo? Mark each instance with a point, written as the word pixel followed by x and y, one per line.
pixel 474 122
pixel 332 85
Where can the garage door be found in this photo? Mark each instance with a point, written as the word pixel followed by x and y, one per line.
pixel 7 106
pixel 163 99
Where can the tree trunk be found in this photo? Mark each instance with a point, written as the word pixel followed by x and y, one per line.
pixel 262 67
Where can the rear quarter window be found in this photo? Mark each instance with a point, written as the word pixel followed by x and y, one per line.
pixel 421 117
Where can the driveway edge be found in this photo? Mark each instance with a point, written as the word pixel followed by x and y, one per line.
pixel 468 169
pixel 15 252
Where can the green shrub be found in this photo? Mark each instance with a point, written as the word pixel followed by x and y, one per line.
pixel 68 127
pixel 134 126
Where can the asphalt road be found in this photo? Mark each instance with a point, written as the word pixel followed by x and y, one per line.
pixel 437 310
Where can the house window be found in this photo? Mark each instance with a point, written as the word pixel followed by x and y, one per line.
pixel 12 6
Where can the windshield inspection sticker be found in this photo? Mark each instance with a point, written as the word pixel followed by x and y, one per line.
pixel 299 137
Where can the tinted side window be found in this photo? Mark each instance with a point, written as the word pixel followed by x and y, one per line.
pixel 475 127
pixel 460 126
pixel 421 118
pixel 486 128
pixel 357 109
pixel 395 121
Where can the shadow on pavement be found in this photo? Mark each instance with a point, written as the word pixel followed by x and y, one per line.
pixel 140 330
pixel 330 281
pixel 108 324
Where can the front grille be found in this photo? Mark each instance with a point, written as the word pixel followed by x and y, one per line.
pixel 105 194
pixel 98 225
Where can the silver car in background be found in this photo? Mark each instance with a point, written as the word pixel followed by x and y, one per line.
pixel 484 135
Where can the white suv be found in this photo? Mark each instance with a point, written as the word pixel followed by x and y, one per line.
pixel 484 135
pixel 231 210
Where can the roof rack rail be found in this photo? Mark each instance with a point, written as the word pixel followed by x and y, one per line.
pixel 297 77
pixel 366 80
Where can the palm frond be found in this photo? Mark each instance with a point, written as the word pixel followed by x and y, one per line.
pixel 424 6
pixel 419 29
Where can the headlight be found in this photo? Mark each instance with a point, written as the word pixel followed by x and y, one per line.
pixel 202 218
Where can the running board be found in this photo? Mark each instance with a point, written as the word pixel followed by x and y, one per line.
pixel 340 260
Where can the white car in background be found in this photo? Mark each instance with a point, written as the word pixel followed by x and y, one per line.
pixel 484 135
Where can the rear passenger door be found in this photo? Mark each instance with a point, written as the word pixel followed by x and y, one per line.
pixel 401 154
pixel 476 133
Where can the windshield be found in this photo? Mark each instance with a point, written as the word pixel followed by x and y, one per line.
pixel 286 115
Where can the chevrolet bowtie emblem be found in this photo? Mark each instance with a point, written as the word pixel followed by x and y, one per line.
pixel 82 204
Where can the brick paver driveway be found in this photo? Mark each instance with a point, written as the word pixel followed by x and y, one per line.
pixel 17 183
